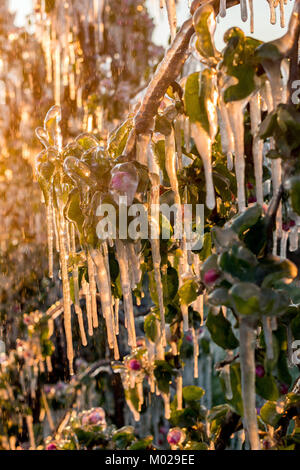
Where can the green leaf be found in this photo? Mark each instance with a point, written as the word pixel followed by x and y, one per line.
pixel 205 24
pixel 170 283
pixel 163 374
pixel 142 444
pixel 192 393
pixel 188 292
pixel 244 298
pixel 118 138
pixel 295 193
pixel 241 63
pixel 247 219
pixel 269 414
pixel 221 331
pixel 199 89
pixel 73 210
pixel 266 387
pixel 150 326
pixel 207 247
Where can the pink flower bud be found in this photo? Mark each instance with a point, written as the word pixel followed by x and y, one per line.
pixel 97 416
pixel 211 276
pixel 260 371
pixel 51 446
pixel 120 181
pixel 134 364
pixel 175 436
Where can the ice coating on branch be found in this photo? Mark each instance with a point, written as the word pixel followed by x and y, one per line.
pixel 171 10
pixel 257 147
pixel 247 358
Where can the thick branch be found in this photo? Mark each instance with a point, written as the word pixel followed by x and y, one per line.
pixel 165 74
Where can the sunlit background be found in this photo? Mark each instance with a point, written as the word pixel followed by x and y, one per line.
pixel 263 29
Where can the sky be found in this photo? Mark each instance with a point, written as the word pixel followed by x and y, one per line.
pixel 263 30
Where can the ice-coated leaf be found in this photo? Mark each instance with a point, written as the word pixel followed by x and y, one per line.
pixel 244 298
pixel 192 393
pixel 221 331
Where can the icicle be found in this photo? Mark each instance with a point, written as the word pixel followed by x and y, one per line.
pixel 257 148
pixel 88 305
pixel 140 393
pixel 251 16
pixel 171 10
pixel 244 11
pixel 179 391
pixel 166 399
pixel 266 321
pixel 77 307
pixel 66 290
pixel 155 249
pixel 282 16
pixel 198 303
pixel 293 239
pixel 271 98
pixel 222 8
pixel 135 263
pixel 196 352
pixel 227 137
pixel 204 146
pixel 57 75
pixel 116 312
pixel 247 359
pixel 283 243
pixel 178 140
pixel 236 118
pixel 170 164
pixel 127 295
pixel 272 11
pixel 48 412
pixel 50 236
pixel 104 288
pixel 93 290
pixel 187 134
pixel 136 414
pixel 29 422
pixel 225 374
